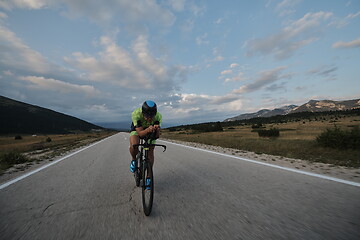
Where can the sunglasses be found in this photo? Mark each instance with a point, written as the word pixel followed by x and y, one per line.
pixel 148 116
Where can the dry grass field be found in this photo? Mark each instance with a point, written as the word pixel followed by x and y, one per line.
pixel 30 149
pixel 296 140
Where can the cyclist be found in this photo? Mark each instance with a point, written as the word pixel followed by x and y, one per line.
pixel 145 120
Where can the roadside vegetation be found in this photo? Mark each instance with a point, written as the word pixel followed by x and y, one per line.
pixel 21 151
pixel 331 137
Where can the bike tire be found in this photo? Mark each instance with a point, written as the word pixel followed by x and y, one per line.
pixel 147 195
pixel 137 173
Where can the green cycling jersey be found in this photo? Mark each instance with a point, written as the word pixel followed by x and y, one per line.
pixel 138 120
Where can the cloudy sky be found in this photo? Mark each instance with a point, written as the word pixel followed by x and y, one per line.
pixel 198 60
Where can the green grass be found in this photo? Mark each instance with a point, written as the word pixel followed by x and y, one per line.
pixel 10 159
pixel 293 148
pixel 340 139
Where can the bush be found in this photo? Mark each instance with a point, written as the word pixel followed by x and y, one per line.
pixel 12 158
pixel 18 137
pixel 340 139
pixel 208 127
pixel 272 132
pixel 256 126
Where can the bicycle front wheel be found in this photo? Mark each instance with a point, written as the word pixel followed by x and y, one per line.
pixel 147 189
pixel 137 173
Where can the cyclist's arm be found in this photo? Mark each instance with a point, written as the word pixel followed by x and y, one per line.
pixel 157 129
pixel 143 132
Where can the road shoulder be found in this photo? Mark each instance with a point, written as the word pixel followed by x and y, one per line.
pixel 341 172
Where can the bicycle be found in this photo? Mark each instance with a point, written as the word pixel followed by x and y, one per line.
pixel 143 171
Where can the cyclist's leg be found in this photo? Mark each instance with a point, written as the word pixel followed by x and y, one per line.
pixel 152 149
pixel 134 139
pixel 151 155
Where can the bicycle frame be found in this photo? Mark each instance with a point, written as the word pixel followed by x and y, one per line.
pixel 144 149
pixel 144 171
pixel 145 146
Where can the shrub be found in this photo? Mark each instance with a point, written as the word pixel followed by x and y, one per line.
pixel 208 127
pixel 340 139
pixel 18 137
pixel 272 132
pixel 12 158
pixel 256 126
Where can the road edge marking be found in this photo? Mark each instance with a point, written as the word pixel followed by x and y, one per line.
pixel 272 165
pixel 10 182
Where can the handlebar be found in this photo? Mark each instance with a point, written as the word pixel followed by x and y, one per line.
pixel 149 145
pixel 151 136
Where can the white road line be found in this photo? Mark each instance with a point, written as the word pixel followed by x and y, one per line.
pixel 274 166
pixel 4 185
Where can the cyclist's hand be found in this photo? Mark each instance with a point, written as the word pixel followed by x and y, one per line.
pixel 151 129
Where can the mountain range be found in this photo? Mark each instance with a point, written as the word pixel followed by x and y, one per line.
pixel 311 106
pixel 22 118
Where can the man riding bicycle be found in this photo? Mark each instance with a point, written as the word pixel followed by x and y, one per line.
pixel 145 120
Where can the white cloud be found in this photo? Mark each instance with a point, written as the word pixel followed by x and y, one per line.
pixel 3 15
pixel 240 76
pixel 265 78
pixel 323 70
pixel 342 22
pixel 326 71
pixel 286 7
pixel 294 36
pixel 113 65
pixel 219 58
pixel 197 107
pixel 133 12
pixel 15 54
pixel 218 21
pixel 225 72
pixel 187 26
pixel 102 12
pixel 27 4
pixel 197 10
pixel 8 73
pixel 152 65
pixel 233 74
pixel 49 84
pixel 352 44
pixel 135 69
pixel 177 5
pixel 201 40
pixel 353 15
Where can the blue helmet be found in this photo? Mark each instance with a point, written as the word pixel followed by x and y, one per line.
pixel 149 108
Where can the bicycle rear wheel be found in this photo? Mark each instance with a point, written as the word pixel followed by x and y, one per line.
pixel 147 194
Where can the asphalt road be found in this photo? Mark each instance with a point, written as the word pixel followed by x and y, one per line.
pixel 198 195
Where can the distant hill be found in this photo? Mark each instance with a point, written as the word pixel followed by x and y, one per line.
pixel 263 113
pixel 327 105
pixel 311 106
pixel 118 126
pixel 22 118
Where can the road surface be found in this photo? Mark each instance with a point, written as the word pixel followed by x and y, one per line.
pixel 198 195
